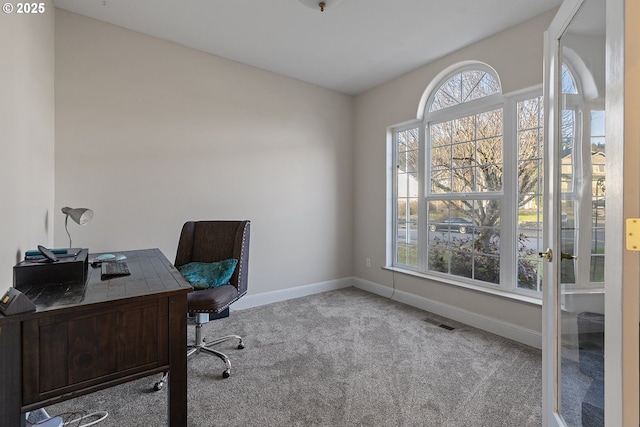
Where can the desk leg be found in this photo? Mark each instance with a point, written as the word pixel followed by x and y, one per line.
pixel 11 374
pixel 177 390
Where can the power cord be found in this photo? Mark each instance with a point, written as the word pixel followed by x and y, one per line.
pixel 393 280
pixel 102 414
pixel 45 420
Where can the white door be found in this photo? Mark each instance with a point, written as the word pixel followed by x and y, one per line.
pixel 573 294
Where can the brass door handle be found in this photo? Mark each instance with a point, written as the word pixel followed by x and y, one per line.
pixel 548 254
pixel 564 255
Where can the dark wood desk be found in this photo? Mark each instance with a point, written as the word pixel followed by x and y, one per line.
pixel 88 337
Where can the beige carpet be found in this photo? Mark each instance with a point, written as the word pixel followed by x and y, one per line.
pixel 343 358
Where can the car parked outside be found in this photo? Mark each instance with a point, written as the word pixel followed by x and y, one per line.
pixel 457 224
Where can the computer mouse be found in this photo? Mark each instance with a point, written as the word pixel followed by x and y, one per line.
pixel 120 257
pixel 105 257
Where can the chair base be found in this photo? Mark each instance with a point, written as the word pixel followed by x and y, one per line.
pixel 224 313
pixel 205 346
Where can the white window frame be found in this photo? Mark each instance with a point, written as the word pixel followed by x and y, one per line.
pixel 393 136
pixel 512 215
pixel 507 195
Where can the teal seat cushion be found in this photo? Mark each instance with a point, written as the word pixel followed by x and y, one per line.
pixel 205 275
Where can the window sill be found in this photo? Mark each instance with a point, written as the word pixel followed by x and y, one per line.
pixel 583 291
pixel 496 292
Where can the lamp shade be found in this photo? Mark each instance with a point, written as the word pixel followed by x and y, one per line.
pixel 80 216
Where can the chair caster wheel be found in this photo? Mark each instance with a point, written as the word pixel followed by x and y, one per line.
pixel 226 374
pixel 158 386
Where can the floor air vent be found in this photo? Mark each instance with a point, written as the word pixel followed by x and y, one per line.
pixel 438 324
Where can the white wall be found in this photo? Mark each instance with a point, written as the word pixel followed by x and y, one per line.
pixel 150 134
pixel 26 135
pixel 516 54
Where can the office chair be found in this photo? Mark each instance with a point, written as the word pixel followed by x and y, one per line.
pixel 208 242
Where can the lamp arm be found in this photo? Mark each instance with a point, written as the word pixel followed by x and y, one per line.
pixel 66 227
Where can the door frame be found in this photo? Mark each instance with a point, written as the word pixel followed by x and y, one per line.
pixel 551 237
pixel 622 268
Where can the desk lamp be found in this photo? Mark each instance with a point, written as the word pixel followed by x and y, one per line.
pixel 80 216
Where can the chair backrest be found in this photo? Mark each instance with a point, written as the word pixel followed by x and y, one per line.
pixel 212 241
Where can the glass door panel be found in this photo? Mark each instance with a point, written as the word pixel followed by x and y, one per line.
pixel 574 355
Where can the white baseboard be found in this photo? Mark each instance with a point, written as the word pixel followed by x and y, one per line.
pixel 249 301
pixel 513 332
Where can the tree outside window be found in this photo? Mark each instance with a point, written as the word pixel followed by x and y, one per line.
pixel 455 228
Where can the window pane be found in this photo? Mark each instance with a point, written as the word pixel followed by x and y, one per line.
pixel 568 83
pixel 439 259
pixel 448 95
pixel 529 176
pixel 463 154
pixel 441 181
pixel 598 160
pixel 489 124
pixel 487 240
pixel 407 254
pixel 529 194
pixel 402 210
pixel 407 244
pixel 441 158
pixel 530 143
pixel 487 268
pixel 568 142
pixel 407 211
pixel 408 150
pixel 569 235
pixel 438 211
pixel 489 178
pixel 529 274
pixel 530 114
pixel 476 155
pixel 407 184
pixel 463 180
pixel 461 264
pixel 489 151
pixel 486 85
pixel 406 201
pixel 463 87
pixel 440 134
pixel 463 129
pixel 464 238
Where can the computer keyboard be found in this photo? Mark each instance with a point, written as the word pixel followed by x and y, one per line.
pixel 114 269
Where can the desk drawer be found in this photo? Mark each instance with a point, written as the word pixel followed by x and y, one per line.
pixel 83 349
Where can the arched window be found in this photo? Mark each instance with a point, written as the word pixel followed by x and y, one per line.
pixel 464 87
pixel 468 188
pixel 464 176
pixel 568 81
pixel 476 155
